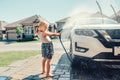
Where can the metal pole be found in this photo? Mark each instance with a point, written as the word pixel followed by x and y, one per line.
pixel 100 11
pixel 114 13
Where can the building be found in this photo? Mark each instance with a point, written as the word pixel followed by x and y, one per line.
pixel 2 29
pixel 29 26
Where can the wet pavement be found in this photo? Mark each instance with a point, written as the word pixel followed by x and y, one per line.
pixel 92 70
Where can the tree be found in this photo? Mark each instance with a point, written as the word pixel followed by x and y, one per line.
pixel 19 31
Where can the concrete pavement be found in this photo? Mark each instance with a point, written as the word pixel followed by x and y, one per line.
pixel 15 46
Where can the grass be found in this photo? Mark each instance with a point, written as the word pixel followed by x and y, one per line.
pixel 7 58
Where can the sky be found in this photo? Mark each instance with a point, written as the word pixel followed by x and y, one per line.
pixel 52 10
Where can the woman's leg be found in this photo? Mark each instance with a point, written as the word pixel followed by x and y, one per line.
pixel 43 65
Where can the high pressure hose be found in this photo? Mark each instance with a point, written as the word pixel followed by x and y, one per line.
pixel 68 56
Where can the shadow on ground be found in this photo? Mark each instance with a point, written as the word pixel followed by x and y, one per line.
pixel 5 78
pixel 33 77
pixel 8 41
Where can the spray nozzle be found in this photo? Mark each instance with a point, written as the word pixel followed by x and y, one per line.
pixel 60 30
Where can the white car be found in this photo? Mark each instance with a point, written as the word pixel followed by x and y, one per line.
pixel 98 42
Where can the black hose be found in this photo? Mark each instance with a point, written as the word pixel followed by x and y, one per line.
pixel 65 49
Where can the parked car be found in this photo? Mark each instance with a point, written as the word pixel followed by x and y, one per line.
pixel 0 35
pixel 97 42
pixel 91 40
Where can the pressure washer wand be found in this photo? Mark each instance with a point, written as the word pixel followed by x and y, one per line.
pixel 65 49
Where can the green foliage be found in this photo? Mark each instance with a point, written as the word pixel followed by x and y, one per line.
pixel 19 30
